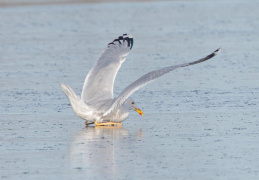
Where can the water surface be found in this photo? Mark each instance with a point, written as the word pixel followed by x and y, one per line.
pixel 200 122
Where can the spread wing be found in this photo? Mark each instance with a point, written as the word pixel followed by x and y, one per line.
pixel 149 77
pixel 99 82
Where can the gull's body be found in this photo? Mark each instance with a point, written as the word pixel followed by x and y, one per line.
pixel 97 104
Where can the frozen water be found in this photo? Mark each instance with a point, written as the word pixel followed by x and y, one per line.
pixel 199 122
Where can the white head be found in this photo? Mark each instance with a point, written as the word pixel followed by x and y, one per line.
pixel 130 103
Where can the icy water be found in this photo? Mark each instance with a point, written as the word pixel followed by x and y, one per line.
pixel 200 122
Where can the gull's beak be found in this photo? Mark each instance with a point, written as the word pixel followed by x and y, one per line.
pixel 139 111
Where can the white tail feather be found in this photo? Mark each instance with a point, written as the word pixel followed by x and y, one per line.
pixel 79 107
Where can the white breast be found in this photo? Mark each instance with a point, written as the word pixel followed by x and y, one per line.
pixel 117 116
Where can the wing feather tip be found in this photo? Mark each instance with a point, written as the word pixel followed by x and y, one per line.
pixel 124 37
pixel 218 50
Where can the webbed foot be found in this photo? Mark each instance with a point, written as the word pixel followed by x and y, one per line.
pixel 108 124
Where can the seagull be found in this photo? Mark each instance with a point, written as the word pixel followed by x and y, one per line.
pixel 97 104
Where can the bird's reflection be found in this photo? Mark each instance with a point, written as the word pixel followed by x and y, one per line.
pixel 98 149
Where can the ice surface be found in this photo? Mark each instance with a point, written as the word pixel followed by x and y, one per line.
pixel 200 122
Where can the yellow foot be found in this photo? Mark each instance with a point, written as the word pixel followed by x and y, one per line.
pixel 108 124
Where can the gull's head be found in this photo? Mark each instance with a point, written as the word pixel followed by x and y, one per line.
pixel 132 105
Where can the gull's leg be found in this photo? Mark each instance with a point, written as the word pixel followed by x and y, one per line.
pixel 107 124
pixel 86 123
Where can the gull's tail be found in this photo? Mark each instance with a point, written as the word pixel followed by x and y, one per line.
pixel 79 107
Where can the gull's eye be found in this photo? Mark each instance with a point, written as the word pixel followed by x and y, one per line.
pixel 132 103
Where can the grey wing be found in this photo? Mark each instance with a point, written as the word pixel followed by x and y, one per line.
pixel 99 82
pixel 149 77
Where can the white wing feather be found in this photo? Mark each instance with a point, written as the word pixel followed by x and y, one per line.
pixel 99 82
pixel 149 77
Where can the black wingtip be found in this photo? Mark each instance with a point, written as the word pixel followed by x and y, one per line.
pixel 218 50
pixel 214 53
pixel 124 37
